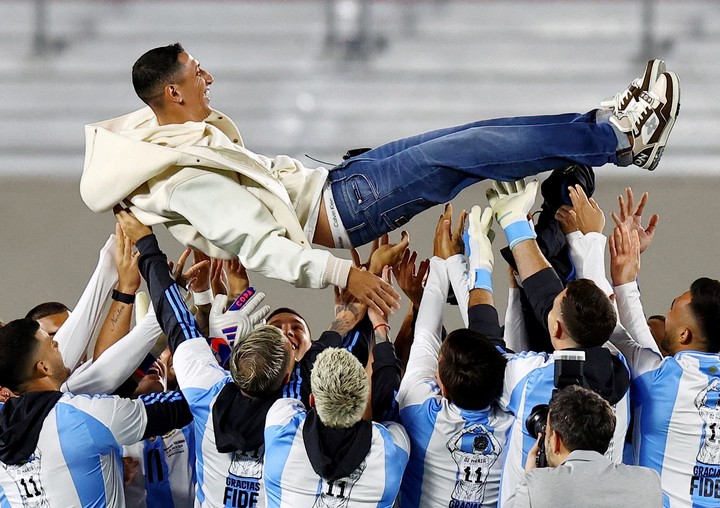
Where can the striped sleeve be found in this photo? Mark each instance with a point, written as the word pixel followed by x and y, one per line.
pixel 176 321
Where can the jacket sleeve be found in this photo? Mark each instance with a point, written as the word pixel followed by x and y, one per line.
pixel 175 319
pixel 587 253
pixel 541 290
pixel 231 217
pixel 458 273
pixel 515 332
pixel 75 334
pixel 419 382
pixel 385 384
pixel 118 363
pixel 632 316
pixel 484 319
pixel 165 412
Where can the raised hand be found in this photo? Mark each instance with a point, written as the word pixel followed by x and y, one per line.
pixel 448 243
pixel 240 319
pixel 624 255
pixel 126 261
pixel 567 220
pixel 185 278
pixel 237 276
pixel 133 228
pixel 511 202
pixel 372 291
pixel 200 281
pixel 217 278
pixel 387 254
pixel 633 218
pixel 587 213
pixel 411 281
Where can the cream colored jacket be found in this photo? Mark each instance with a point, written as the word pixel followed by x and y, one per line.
pixel 223 200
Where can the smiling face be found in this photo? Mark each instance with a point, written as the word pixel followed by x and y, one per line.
pixel 295 330
pixel 192 89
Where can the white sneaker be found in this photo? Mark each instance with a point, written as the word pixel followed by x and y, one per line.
pixel 622 100
pixel 650 119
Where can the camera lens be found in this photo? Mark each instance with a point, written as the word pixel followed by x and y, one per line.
pixel 536 421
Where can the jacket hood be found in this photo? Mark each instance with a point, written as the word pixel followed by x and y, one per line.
pixel 239 420
pixel 21 421
pixel 114 148
pixel 335 453
pixel 605 374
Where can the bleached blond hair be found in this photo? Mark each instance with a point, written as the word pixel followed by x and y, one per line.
pixel 340 387
pixel 258 363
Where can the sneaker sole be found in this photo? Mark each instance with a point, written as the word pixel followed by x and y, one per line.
pixel 659 148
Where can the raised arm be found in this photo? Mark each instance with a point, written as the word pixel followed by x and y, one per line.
pixel 420 374
pixel 411 282
pixel 106 374
pixel 511 202
pixel 75 334
pixel 515 333
pixel 386 373
pixel 624 270
pixel 587 245
pixel 482 315
pixel 642 353
pixel 119 317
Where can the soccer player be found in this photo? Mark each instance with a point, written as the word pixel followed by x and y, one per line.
pixel 328 455
pixel 677 410
pixel 447 403
pixel 61 449
pixel 579 316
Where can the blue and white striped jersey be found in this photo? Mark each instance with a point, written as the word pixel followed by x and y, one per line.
pixel 166 478
pixel 529 381
pixel 77 461
pixel 291 482
pixel 457 455
pixel 223 479
pixel 676 403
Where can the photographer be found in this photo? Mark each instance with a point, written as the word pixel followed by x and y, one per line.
pixel 580 424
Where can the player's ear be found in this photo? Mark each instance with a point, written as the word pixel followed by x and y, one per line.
pixel 172 93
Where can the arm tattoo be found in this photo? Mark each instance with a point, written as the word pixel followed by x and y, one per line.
pixel 115 318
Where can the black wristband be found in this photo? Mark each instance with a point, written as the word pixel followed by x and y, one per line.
pixel 123 297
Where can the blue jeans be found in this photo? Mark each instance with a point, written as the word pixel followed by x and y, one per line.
pixel 382 189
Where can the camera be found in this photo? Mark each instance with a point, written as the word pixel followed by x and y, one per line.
pixel 569 370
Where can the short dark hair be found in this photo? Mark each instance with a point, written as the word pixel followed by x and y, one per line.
pixel 17 350
pixel 285 310
pixel 659 317
pixel 471 369
pixel 154 70
pixel 705 308
pixel 584 420
pixel 46 309
pixel 587 313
